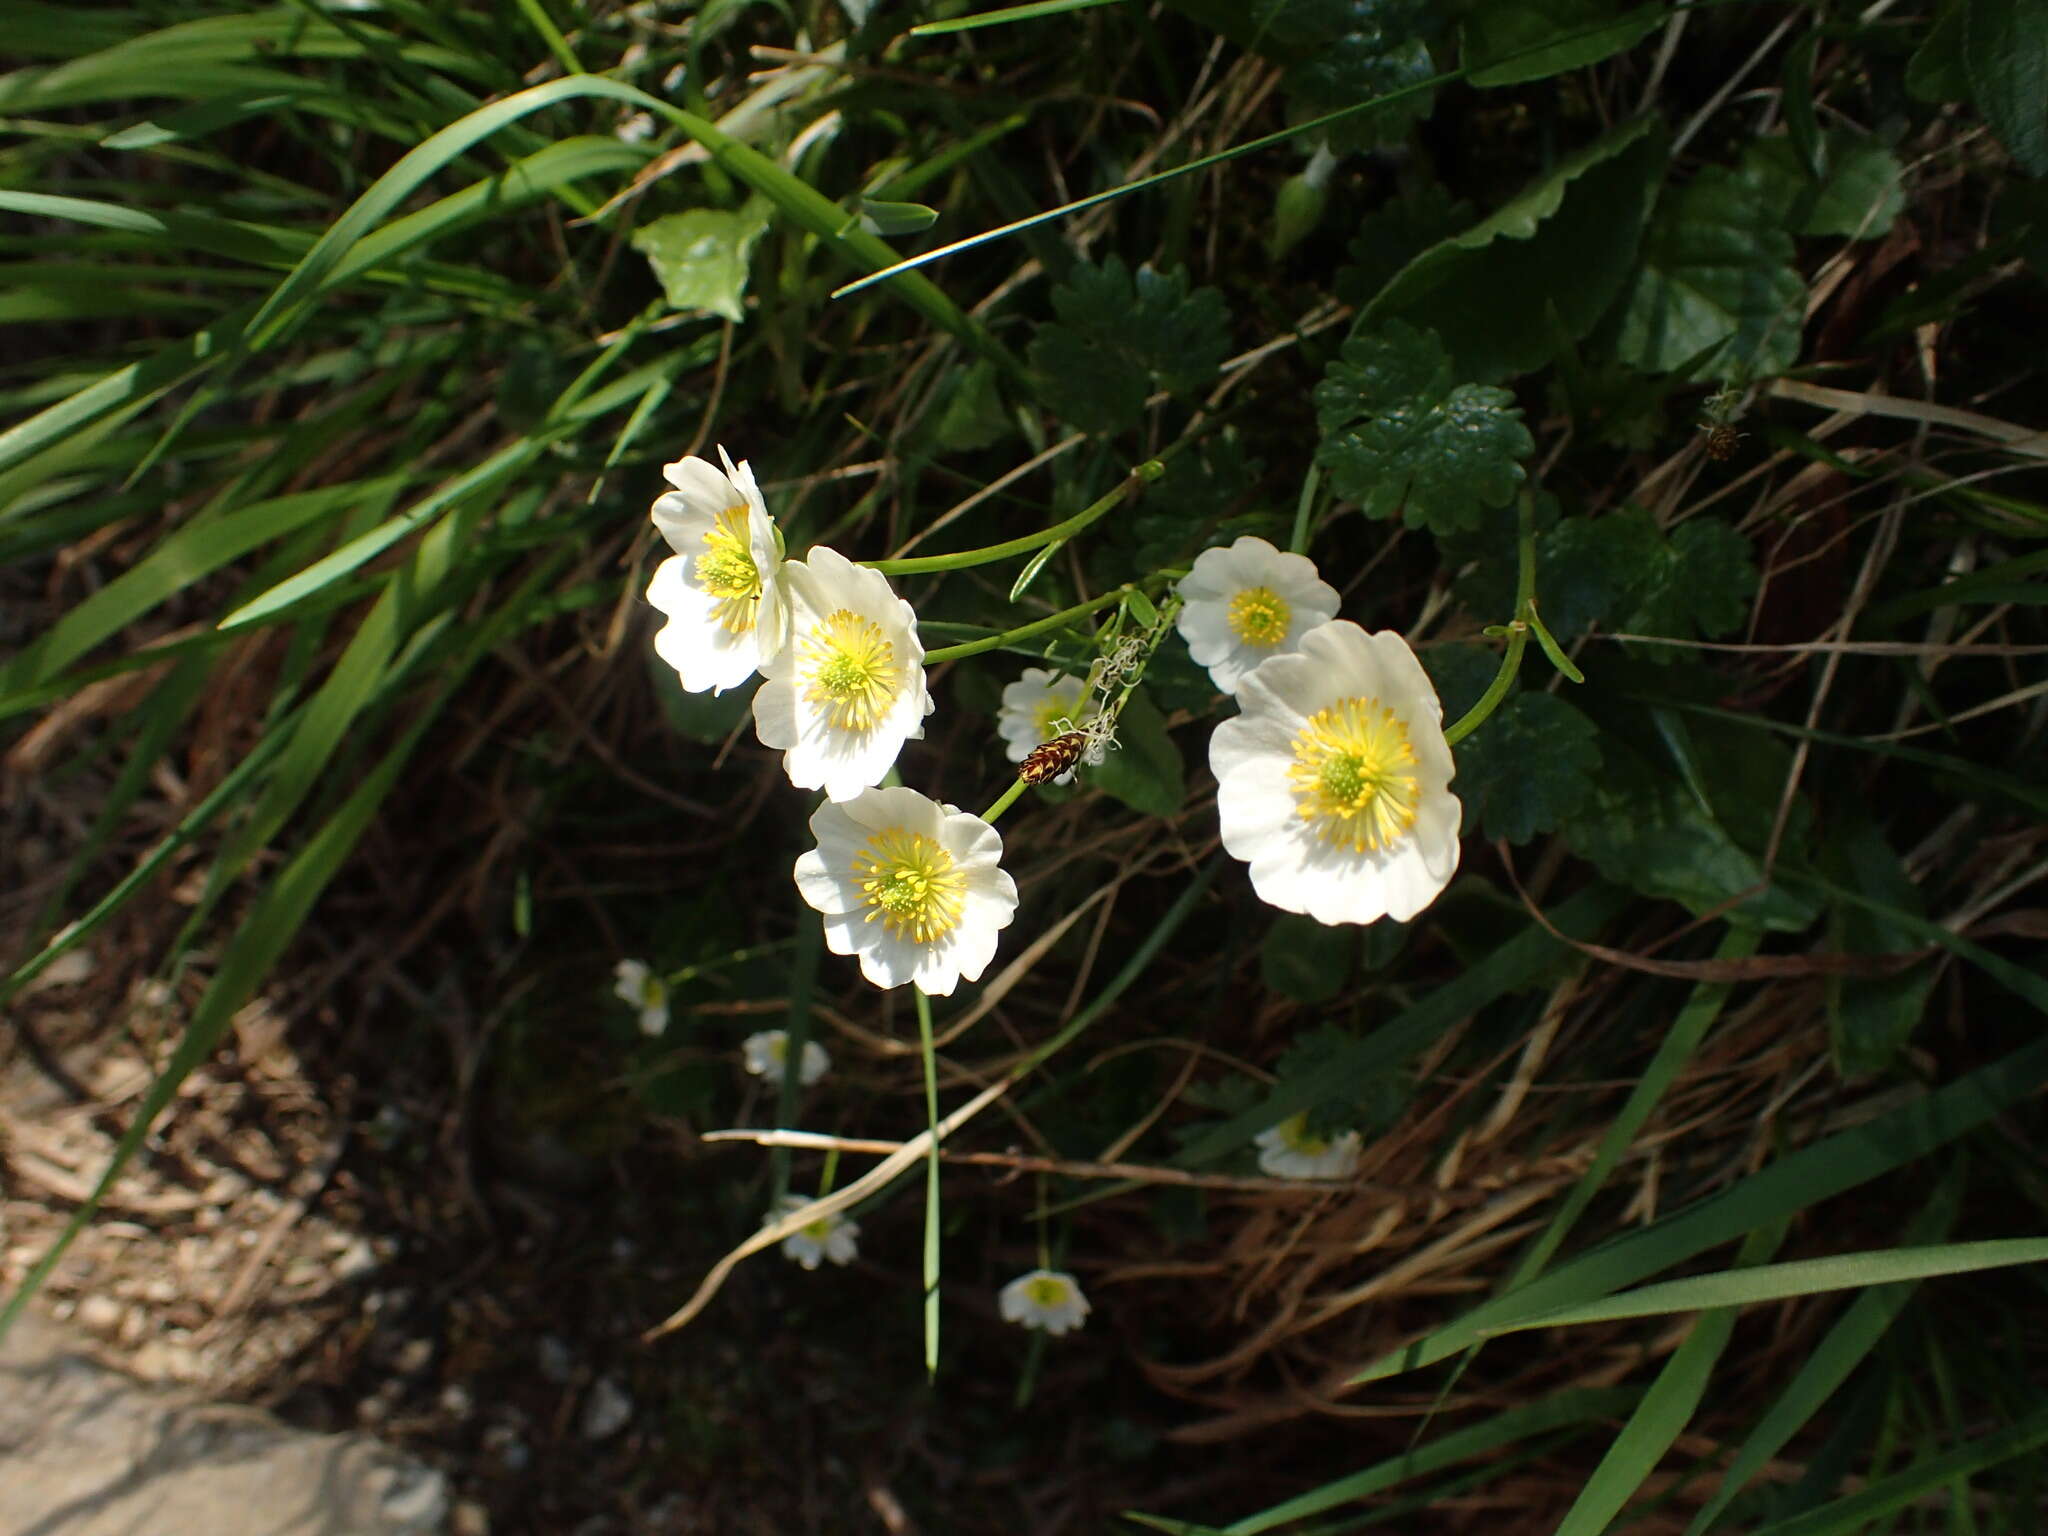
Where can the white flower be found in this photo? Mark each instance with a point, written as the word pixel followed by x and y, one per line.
pixel 1046 1298
pixel 848 690
pixel 1034 708
pixel 766 1055
pixel 722 590
pixel 829 1237
pixel 1247 603
pixel 1333 784
pixel 1288 1151
pixel 638 987
pixel 915 889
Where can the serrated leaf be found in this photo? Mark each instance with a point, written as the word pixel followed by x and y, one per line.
pixel 1144 769
pixel 1509 41
pixel 1716 278
pixel 1859 193
pixel 1306 960
pixel 974 416
pixel 1568 238
pixel 1528 768
pixel 700 258
pixel 1380 51
pixel 1119 336
pixel 1394 234
pixel 2005 55
pixel 1399 436
pixel 1699 584
pixel 1645 830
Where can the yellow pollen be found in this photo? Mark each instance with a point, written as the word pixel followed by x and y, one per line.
pixel 1259 616
pixel 851 670
pixel 1354 775
pixel 817 1231
pixel 910 883
pixel 1055 707
pixel 726 570
pixel 1046 1291
pixel 1294 1133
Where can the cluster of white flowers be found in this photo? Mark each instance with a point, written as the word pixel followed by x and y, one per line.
pixel 911 887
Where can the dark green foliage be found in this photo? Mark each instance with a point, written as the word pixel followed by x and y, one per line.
pixel 1394 234
pixel 1857 192
pixel 1716 278
pixel 1400 436
pixel 1307 960
pixel 1529 768
pixel 1144 769
pixel 1365 49
pixel 1120 336
pixel 1508 41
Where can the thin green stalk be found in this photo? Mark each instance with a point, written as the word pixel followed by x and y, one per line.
pixel 1298 542
pixel 914 565
pixel 1004 801
pixel 1023 631
pixel 931 1184
pixel 1518 630
pixel 550 34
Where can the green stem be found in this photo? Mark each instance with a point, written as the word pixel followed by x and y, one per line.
pixel 1023 631
pixel 558 45
pixel 1004 801
pixel 914 565
pixel 1518 630
pixel 931 1184
pixel 1299 542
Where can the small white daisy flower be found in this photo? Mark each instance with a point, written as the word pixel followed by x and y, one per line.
pixel 916 890
pixel 1039 706
pixel 1046 1298
pixel 1247 603
pixel 833 1237
pixel 1334 782
pixel 722 590
pixel 1289 1151
pixel 766 1055
pixel 639 988
pixel 848 690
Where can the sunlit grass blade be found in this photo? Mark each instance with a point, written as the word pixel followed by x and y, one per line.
pixel 1845 1347
pixel 1662 1415
pixel 1029 12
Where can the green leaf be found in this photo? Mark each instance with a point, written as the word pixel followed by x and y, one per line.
pixel 1936 71
pixel 1870 1018
pixel 1646 830
pixel 896 218
pixel 1528 768
pixel 1306 960
pixel 1119 336
pixel 1144 769
pixel 1778 1282
pixel 1399 436
pixel 1509 41
pixel 700 258
pixel 973 416
pixel 1363 49
pixel 1716 277
pixel 1700 583
pixel 1394 234
pixel 2005 54
pixel 1859 193
pixel 1569 238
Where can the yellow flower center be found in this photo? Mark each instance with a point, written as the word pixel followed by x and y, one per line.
pixel 1354 775
pixel 1055 707
pixel 1047 1291
pixel 653 992
pixel 852 670
pixel 727 571
pixel 1259 616
pixel 817 1231
pixel 1294 1135
pixel 909 882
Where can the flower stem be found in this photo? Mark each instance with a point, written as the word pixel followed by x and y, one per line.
pixel 1004 801
pixel 913 565
pixel 1517 629
pixel 1299 542
pixel 1022 631
pixel 931 1183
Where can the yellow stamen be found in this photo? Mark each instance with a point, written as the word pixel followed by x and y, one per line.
pixel 1047 1291
pixel 851 670
pixel 910 883
pixel 1354 775
pixel 1259 617
pixel 726 570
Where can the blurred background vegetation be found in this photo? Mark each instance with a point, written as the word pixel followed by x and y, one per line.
pixel 345 345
